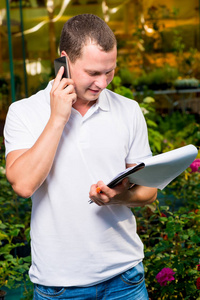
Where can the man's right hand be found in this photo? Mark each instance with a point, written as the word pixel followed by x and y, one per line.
pixel 62 96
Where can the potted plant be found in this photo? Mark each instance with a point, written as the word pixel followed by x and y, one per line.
pixel 157 79
pixel 186 83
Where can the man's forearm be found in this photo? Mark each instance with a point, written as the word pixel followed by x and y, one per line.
pixel 141 195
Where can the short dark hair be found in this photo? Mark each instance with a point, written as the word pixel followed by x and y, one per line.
pixel 78 30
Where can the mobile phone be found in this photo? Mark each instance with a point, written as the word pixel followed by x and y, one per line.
pixel 58 63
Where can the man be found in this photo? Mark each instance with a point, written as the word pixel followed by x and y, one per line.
pixel 60 144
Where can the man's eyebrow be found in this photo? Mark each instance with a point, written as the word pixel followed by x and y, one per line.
pixel 99 72
pixel 92 71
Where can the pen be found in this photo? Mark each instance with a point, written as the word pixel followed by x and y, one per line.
pixel 98 190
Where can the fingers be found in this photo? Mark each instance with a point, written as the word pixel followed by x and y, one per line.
pixel 63 87
pixel 69 89
pixel 62 94
pixel 62 97
pixel 58 78
pixel 59 82
pixel 101 194
pixel 96 195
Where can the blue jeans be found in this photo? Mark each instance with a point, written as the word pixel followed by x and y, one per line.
pixel 129 285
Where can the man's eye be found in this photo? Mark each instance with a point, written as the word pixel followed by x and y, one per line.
pixel 94 74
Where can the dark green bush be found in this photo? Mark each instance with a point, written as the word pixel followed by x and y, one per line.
pixel 14 234
pixel 172 239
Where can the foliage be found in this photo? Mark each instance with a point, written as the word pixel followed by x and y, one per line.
pixel 117 87
pixel 155 137
pixel 177 43
pixel 186 62
pixel 13 270
pixel 178 130
pixel 159 78
pixel 14 234
pixel 183 192
pixel 14 208
pixel 171 240
pixel 126 76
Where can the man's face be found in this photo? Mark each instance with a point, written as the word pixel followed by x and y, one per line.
pixel 93 71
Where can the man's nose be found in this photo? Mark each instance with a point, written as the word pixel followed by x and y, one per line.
pixel 102 81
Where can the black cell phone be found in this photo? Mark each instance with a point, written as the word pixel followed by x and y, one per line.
pixel 58 63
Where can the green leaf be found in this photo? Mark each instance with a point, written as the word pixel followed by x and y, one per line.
pixel 195 239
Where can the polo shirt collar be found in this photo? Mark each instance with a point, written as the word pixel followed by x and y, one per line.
pixel 103 102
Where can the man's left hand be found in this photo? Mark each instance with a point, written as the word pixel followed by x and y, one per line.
pixel 101 194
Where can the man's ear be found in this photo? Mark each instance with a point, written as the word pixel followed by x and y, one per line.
pixel 63 53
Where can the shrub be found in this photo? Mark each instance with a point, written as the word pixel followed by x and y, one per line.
pixel 157 79
pixel 178 129
pixel 14 234
pixel 13 269
pixel 171 237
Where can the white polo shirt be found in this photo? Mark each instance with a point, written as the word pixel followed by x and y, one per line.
pixel 75 243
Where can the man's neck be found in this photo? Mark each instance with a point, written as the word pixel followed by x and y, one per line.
pixel 83 106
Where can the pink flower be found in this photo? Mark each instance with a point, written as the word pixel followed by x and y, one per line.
pixel 195 166
pixel 165 275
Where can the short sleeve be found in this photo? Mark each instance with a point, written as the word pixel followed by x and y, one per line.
pixel 16 133
pixel 139 143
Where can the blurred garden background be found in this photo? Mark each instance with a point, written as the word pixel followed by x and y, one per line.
pixel 158 66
